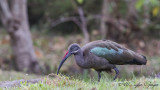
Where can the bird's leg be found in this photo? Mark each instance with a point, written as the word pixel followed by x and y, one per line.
pixel 117 72
pixel 99 75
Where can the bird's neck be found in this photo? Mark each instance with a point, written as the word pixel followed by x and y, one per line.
pixel 80 59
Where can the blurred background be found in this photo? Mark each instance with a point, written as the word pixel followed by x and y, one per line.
pixel 35 34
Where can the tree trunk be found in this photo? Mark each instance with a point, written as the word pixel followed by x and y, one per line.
pixel 132 15
pixel 146 17
pixel 83 24
pixel 15 21
pixel 105 15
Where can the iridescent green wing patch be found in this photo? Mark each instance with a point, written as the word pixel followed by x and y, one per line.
pixel 106 53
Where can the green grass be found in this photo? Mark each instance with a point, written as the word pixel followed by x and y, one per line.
pixel 81 82
pixel 74 84
pixel 62 82
pixel 13 75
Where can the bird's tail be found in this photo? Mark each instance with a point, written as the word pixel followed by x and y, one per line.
pixel 139 60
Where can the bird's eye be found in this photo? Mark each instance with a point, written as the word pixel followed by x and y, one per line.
pixel 75 48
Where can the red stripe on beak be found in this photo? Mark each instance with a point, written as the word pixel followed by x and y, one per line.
pixel 65 54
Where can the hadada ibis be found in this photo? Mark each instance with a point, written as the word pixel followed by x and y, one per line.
pixel 103 55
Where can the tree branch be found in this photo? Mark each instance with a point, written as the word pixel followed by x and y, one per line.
pixel 83 24
pixel 63 19
pixel 105 16
pixel 120 24
pixel 96 16
pixel 74 19
pixel 3 20
pixel 5 12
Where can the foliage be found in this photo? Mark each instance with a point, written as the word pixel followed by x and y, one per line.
pixel 38 11
pixel 154 6
pixel 80 1
pixel 42 13
pixel 46 11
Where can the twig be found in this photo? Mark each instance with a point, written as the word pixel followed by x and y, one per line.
pixel 74 19
pixel 66 19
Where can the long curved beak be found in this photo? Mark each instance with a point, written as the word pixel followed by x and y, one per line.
pixel 63 60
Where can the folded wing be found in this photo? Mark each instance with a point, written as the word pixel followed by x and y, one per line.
pixel 115 53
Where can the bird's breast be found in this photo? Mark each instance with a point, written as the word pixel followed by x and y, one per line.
pixel 96 62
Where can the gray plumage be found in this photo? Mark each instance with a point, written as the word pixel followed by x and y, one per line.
pixel 103 55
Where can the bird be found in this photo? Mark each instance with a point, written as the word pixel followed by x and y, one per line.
pixel 103 55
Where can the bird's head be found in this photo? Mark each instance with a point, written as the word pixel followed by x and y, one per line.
pixel 73 49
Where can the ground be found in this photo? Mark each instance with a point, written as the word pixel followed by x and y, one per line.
pixel 62 82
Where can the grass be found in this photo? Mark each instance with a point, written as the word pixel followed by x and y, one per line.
pixel 13 75
pixel 65 83
pixel 62 82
